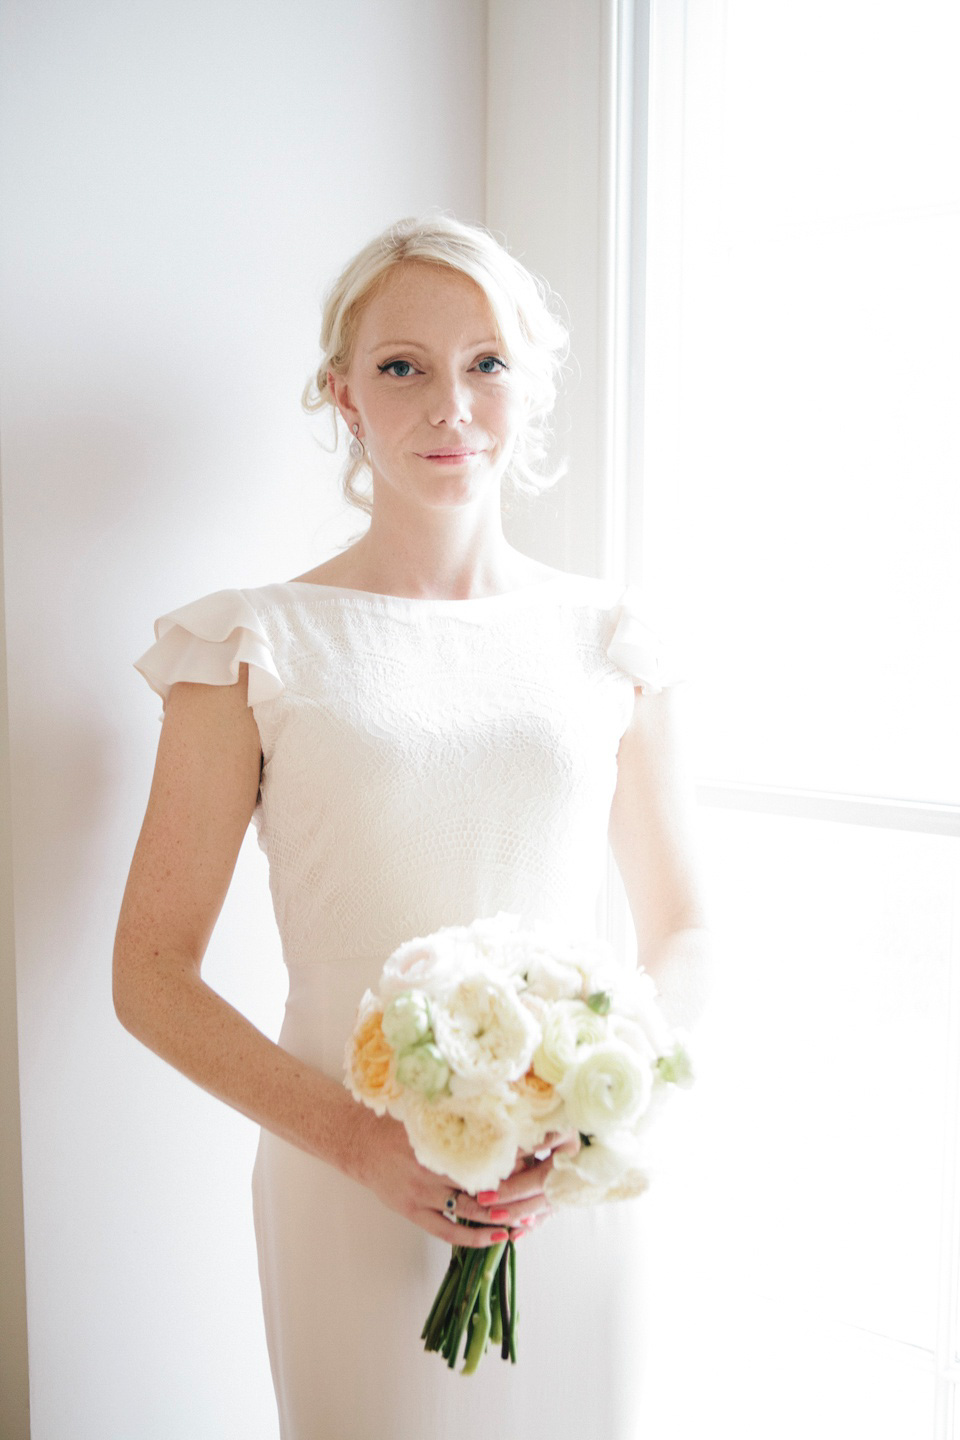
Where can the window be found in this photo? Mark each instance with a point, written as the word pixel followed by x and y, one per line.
pixel 789 263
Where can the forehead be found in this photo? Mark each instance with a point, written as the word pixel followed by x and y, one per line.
pixel 429 300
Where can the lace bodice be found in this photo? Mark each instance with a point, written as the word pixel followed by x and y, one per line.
pixel 424 761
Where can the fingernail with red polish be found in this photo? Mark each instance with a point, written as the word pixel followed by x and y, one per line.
pixel 498 1235
pixel 488 1197
pixel 499 1214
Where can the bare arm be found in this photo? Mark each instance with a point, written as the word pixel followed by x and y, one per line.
pixel 203 794
pixel 653 838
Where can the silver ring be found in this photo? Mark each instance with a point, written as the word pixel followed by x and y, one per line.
pixel 450 1206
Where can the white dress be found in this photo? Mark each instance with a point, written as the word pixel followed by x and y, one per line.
pixel 426 762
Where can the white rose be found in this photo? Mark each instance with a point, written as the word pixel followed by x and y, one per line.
pixel 474 1140
pixel 568 1026
pixel 547 977
pixel 406 1019
pixel 430 964
pixel 614 1169
pixel 492 931
pixel 607 1088
pixel 594 1168
pixel 484 1032
pixel 632 1183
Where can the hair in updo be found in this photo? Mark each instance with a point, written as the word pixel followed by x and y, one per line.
pixel 534 341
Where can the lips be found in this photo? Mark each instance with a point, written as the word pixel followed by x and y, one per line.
pixel 447 454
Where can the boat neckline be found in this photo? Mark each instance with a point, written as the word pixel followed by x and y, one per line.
pixel 526 590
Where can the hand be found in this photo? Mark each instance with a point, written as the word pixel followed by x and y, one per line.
pixel 520 1203
pixel 385 1163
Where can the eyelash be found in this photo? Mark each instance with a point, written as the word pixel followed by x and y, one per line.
pixel 387 366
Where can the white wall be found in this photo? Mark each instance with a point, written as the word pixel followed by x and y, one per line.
pixel 179 182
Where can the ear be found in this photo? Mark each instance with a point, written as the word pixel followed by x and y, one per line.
pixel 340 392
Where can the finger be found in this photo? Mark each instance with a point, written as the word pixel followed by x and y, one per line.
pixel 524 1186
pixel 474 1236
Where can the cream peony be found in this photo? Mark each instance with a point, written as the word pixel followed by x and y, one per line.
pixel 474 1139
pixel 484 1032
pixel 607 1088
pixel 540 1098
pixel 369 1059
pixel 568 1025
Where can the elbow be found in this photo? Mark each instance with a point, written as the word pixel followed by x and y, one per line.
pixel 131 990
pixel 124 992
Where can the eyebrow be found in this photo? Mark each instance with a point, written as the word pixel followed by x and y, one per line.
pixel 415 345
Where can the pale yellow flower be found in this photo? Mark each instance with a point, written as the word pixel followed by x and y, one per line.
pixel 369 1059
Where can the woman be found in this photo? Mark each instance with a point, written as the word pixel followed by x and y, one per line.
pixel 426 728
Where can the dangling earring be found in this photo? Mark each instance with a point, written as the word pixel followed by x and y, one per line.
pixel 356 445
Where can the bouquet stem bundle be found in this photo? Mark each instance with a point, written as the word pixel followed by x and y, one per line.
pixel 477 1298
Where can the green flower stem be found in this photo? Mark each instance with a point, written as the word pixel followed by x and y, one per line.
pixel 496 1314
pixel 466 1307
pixel 514 1317
pixel 476 1297
pixel 453 1306
pixel 456 1317
pixel 480 1331
pixel 502 1278
pixel 433 1329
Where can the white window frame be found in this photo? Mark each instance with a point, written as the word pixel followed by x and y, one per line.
pixel 648 102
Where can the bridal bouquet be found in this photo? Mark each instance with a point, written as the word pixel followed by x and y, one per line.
pixel 485 1038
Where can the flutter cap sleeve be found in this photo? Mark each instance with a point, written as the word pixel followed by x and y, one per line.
pixel 636 648
pixel 206 641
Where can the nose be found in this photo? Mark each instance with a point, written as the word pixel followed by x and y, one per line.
pixel 450 401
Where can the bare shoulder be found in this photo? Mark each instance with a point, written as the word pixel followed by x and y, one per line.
pixel 211 717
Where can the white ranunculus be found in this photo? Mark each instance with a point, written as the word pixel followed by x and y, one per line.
pixel 569 1025
pixel 484 1032
pixel 473 1140
pixel 634 1034
pixel 422 1068
pixel 606 1088
pixel 406 1019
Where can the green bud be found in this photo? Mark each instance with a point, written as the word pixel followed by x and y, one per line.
pixel 599 1001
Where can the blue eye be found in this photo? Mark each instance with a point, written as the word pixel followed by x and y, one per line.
pixel 389 366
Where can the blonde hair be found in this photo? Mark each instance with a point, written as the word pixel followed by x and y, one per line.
pixel 535 341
